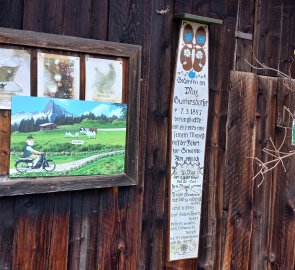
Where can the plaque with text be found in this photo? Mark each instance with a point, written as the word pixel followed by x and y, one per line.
pixel 188 138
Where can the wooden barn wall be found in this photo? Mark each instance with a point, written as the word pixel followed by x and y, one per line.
pixel 242 226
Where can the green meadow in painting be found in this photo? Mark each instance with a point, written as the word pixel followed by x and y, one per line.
pixel 54 137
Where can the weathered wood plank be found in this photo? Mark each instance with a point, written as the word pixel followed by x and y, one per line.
pixel 287 38
pixel 214 203
pixel 66 43
pixel 32 232
pixel 83 223
pixel 55 184
pixel 107 231
pixel 11 13
pixel 262 205
pixel 154 240
pixel 238 172
pixel 244 50
pixel 267 34
pixel 59 232
pixel 99 19
pixel 202 7
pixel 87 18
pixel 125 204
pixel 282 236
pixel 182 6
pixel 47 17
pixel 4 141
pixel 7 225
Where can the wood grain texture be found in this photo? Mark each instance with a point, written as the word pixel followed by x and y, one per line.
pixel 11 13
pixel 244 47
pixel 214 207
pixel 287 43
pixel 23 186
pixel 127 25
pixel 47 18
pixel 183 6
pixel 240 132
pixel 7 221
pixel 4 141
pixel 83 222
pixel 262 201
pixel 78 18
pixel 282 234
pixel 155 206
pixel 268 33
pixel 66 43
pixel 41 232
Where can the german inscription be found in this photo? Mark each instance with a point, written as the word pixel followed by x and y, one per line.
pixel 189 125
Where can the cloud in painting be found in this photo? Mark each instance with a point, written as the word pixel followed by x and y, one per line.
pixel 117 112
pixel 101 109
pixel 107 110
pixel 65 102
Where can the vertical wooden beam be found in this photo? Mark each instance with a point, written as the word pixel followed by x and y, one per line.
pixel 238 169
pixel 41 232
pixel 4 141
pixel 244 28
pixel 282 235
pixel 215 203
pixel 262 204
pixel 7 220
pixel 83 244
pixel 129 23
pixel 183 6
pixel 11 13
pixel 267 34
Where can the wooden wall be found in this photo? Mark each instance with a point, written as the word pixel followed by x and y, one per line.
pixel 242 226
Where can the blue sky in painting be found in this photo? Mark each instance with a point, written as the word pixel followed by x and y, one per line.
pixel 78 107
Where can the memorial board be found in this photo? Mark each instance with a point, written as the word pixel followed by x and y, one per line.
pixel 188 138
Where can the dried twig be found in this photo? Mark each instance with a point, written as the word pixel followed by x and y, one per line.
pixel 163 11
pixel 277 156
pixel 290 82
pixel 273 152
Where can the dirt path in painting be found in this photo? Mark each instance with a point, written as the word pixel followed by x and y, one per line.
pixel 66 167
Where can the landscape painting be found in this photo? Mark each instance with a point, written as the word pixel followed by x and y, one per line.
pixel 104 79
pixel 60 137
pixel 14 75
pixel 58 76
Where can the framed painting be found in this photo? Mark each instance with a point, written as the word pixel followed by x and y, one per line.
pixel 100 136
pixel 58 137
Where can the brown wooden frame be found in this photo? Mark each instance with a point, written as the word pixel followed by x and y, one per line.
pixel 132 58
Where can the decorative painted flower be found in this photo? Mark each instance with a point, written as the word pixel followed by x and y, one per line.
pixel 187 53
pixel 188 37
pixel 199 55
pixel 201 39
pixel 192 74
pixel 184 248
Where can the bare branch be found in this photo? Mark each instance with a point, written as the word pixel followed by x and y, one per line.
pixel 273 154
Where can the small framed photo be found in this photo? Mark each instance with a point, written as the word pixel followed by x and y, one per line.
pixel 58 76
pixel 15 75
pixel 104 79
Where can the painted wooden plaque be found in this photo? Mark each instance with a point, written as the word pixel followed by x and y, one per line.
pixel 189 125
